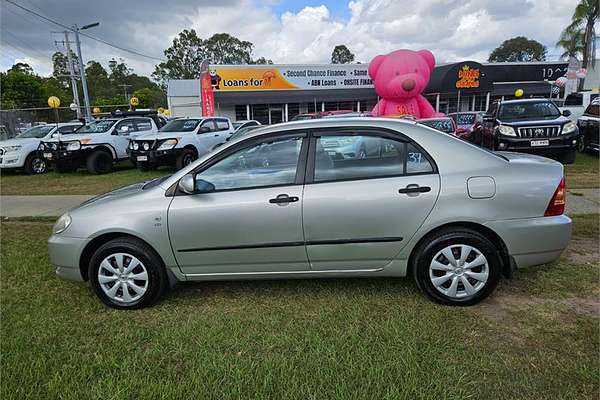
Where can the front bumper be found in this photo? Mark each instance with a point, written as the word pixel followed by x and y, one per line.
pixel 558 144
pixel 64 255
pixel 155 157
pixel 12 160
pixel 534 241
pixel 66 156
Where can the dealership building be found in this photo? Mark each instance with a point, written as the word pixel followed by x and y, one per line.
pixel 276 93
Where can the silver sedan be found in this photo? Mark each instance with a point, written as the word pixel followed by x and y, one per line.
pixel 351 197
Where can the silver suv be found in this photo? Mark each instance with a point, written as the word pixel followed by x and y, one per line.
pixel 277 203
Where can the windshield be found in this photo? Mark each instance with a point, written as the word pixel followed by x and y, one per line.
pixel 37 131
pixel 443 125
pixel 528 110
pixel 181 125
pixel 464 119
pixel 99 126
pixel 243 131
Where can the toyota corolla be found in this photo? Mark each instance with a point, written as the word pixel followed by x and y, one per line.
pixel 280 203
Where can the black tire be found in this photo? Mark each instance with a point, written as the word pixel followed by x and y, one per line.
pixel 581 144
pixel 186 157
pixel 432 245
pixel 35 164
pixel 158 282
pixel 568 157
pixel 64 167
pixel 99 162
pixel 145 166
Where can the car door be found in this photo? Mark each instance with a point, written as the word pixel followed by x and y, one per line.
pixel 121 135
pixel 207 134
pixel 223 129
pixel 252 220
pixel 359 213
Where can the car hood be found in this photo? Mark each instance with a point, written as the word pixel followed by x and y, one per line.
pixel 162 135
pixel 19 142
pixel 120 193
pixel 536 122
pixel 69 137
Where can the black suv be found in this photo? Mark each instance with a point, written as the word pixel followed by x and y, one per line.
pixel 532 126
pixel 589 126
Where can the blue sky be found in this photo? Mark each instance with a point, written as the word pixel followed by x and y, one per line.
pixel 338 9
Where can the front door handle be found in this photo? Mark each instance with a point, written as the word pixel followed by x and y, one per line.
pixel 284 199
pixel 414 188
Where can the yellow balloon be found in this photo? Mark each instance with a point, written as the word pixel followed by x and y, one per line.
pixel 519 92
pixel 167 112
pixel 53 102
pixel 160 110
pixel 134 101
pixel 96 110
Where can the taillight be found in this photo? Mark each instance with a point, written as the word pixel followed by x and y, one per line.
pixel 557 203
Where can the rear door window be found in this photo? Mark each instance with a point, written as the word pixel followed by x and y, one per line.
pixel 222 124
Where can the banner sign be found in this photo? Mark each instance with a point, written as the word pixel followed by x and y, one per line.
pixel 206 91
pixel 289 77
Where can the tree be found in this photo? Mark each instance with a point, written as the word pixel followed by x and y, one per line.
pixel 341 55
pixel 60 66
pixel 518 49
pixel 571 43
pixel 150 98
pixel 21 67
pixel 261 60
pixel 185 55
pixel 119 71
pixel 583 21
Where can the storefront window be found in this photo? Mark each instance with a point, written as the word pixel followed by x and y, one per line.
pixel 240 112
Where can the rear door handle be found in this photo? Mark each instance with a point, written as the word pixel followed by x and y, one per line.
pixel 414 188
pixel 284 199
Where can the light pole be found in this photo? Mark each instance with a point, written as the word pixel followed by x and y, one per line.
pixel 86 97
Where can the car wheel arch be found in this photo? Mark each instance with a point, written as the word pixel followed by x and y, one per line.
pixel 192 148
pixel 490 234
pixel 91 247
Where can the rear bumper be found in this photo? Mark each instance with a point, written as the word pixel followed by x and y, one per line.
pixel 64 255
pixel 534 241
pixel 163 157
pixel 559 144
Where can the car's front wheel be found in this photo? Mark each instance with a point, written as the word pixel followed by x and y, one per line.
pixel 34 164
pixel 457 267
pixel 581 145
pixel 127 274
pixel 186 157
pixel 99 162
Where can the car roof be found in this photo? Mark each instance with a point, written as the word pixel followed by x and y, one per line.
pixel 432 119
pixel 530 100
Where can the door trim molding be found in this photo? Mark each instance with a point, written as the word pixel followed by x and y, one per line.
pixel 306 272
pixel 296 243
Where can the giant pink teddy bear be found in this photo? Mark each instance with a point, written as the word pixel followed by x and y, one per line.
pixel 399 78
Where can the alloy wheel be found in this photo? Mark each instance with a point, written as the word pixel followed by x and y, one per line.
pixel 459 271
pixel 38 166
pixel 188 159
pixel 123 278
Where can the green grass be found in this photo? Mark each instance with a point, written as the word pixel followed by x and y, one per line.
pixel 584 173
pixel 80 182
pixel 536 338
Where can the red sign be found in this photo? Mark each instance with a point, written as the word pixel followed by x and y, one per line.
pixel 208 97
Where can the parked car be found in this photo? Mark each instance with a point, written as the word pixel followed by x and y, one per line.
pixel 239 124
pixel 99 144
pixel 442 124
pixel 274 204
pixel 576 103
pixel 21 152
pixel 532 126
pixel 589 126
pixel 469 127
pixel 180 142
pixel 320 114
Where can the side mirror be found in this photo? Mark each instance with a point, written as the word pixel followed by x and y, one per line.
pixel 187 184
pixel 566 113
pixel 55 134
pixel 204 129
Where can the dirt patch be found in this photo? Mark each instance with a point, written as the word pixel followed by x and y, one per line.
pixel 590 307
pixel 583 250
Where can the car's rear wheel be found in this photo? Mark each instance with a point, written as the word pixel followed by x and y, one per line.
pixel 581 144
pixel 186 157
pixel 99 162
pixel 34 164
pixel 127 274
pixel 457 267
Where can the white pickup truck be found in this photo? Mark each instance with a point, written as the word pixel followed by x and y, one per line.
pixel 21 152
pixel 100 143
pixel 180 142
pixel 577 102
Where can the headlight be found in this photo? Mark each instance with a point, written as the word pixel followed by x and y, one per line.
pixel 41 147
pixel 72 146
pixel 506 130
pixel 136 145
pixel 146 146
pixel 569 127
pixel 168 144
pixel 9 149
pixel 62 223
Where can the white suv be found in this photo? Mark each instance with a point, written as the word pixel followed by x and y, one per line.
pixel 22 151
pixel 179 142
pixel 97 145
